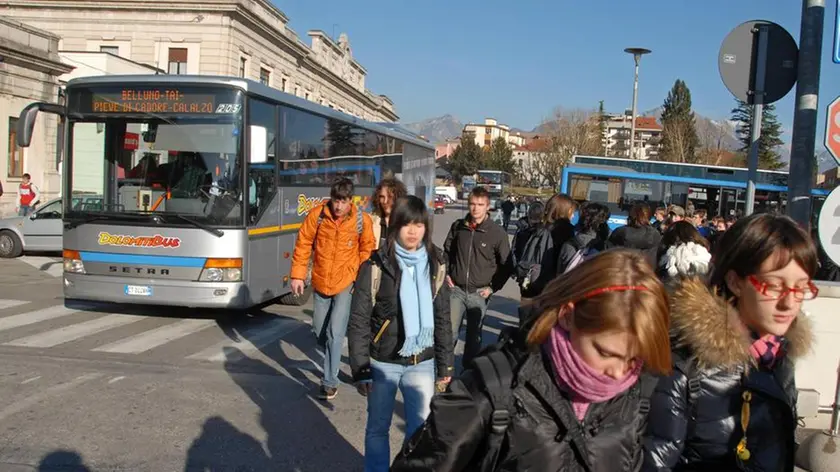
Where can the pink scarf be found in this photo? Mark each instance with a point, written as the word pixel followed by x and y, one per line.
pixel 583 384
pixel 767 350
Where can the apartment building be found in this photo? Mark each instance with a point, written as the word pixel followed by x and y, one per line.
pixel 617 136
pixel 245 38
pixel 484 134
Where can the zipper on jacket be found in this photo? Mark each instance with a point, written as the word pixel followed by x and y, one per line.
pixel 381 331
pixel 469 260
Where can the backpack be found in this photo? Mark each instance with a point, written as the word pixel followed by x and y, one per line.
pixel 376 279
pixel 529 267
pixel 583 254
pixel 497 372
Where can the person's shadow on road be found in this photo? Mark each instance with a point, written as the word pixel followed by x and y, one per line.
pixel 299 436
pixel 63 461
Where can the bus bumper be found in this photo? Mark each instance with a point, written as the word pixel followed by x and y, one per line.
pixel 181 293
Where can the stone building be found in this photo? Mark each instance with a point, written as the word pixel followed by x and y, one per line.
pixel 29 69
pixel 244 38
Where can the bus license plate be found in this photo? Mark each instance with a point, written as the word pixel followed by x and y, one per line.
pixel 138 290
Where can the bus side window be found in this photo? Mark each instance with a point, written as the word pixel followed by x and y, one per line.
pixel 261 182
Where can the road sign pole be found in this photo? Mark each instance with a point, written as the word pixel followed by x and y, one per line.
pixel 802 159
pixel 763 35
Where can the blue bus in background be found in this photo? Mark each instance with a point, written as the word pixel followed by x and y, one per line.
pixel 720 191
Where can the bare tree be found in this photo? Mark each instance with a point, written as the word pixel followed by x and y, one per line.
pixel 567 133
pixel 679 139
pixel 713 149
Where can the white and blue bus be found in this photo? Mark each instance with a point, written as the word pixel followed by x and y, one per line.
pixel 619 183
pixel 205 181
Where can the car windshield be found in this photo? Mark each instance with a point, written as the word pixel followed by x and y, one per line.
pixel 168 168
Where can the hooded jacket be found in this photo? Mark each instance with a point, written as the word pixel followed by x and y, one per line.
pixel 695 416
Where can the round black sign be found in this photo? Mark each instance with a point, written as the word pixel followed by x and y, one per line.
pixel 739 54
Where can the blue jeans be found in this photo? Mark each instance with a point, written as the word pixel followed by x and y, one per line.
pixel 417 384
pixel 329 323
pixel 25 210
pixel 474 306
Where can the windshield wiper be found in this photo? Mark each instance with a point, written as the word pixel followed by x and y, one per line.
pixel 102 216
pixel 214 231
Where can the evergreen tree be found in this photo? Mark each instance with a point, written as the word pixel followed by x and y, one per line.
pixel 771 134
pixel 499 156
pixel 602 128
pixel 465 159
pixel 679 134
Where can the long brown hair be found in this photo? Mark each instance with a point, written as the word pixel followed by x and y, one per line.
pixel 642 312
pixel 394 187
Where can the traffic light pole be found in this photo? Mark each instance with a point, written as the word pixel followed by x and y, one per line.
pixel 802 159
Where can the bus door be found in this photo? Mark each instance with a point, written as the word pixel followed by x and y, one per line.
pixel 731 201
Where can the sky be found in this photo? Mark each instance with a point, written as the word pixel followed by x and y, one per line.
pixel 518 61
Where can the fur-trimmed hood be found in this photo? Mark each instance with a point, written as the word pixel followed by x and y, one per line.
pixel 706 324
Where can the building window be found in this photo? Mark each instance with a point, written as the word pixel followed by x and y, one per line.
pixel 177 60
pixel 265 76
pixel 243 63
pixel 283 84
pixel 15 153
pixel 306 96
pixel 296 91
pixel 115 50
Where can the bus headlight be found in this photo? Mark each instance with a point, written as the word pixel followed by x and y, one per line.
pixel 222 270
pixel 73 262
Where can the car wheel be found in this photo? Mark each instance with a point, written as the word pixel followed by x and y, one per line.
pixel 10 245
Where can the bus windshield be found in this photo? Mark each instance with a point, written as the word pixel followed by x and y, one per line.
pixel 181 168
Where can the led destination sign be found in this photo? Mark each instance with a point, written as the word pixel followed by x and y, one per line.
pixel 152 101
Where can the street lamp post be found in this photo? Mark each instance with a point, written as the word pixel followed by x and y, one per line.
pixel 637 55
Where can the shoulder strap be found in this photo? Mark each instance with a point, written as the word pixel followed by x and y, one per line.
pixel 647 384
pixel 375 280
pixel 497 376
pixel 360 220
pixel 318 225
pixel 440 277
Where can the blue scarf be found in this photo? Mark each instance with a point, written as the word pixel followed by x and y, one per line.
pixel 418 312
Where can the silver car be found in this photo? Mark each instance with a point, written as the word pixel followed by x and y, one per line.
pixel 40 231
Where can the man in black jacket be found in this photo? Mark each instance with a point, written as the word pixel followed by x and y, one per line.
pixel 478 251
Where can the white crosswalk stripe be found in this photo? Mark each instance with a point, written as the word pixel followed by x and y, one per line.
pixel 157 337
pixel 249 342
pixel 6 303
pixel 37 316
pixel 98 332
pixel 73 332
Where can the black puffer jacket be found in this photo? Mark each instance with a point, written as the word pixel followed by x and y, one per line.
pixel 538 438
pixel 695 415
pixel 643 238
pixel 364 339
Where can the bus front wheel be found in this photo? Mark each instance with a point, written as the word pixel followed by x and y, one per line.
pixel 291 300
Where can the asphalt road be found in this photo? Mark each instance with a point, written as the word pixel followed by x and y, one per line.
pixel 109 387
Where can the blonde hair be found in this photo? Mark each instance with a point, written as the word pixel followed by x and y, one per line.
pixel 615 290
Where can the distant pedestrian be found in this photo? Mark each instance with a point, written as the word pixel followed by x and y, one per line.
pixel 338 237
pixel 28 196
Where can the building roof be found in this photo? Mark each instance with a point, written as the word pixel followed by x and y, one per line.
pixel 647 122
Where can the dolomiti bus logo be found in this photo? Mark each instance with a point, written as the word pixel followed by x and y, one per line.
pixel 108 239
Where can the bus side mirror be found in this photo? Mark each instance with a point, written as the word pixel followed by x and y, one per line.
pixel 26 122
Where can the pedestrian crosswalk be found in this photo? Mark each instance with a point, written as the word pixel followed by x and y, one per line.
pixel 92 328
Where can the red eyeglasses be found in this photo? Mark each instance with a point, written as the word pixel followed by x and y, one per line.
pixel 777 292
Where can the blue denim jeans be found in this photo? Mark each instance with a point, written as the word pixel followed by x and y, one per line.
pixel 329 323
pixel 417 384
pixel 474 306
